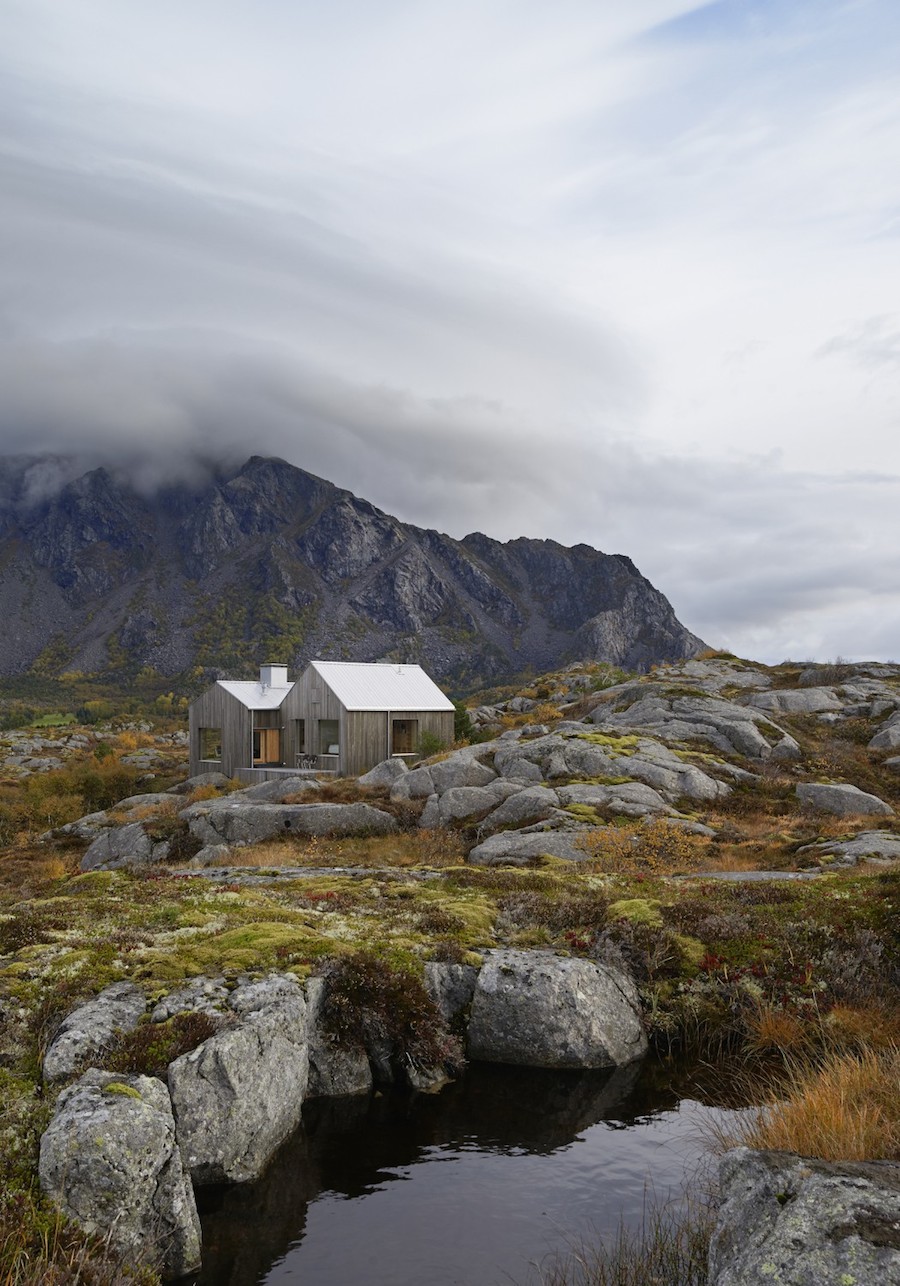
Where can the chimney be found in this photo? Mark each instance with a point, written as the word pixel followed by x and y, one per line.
pixel 273 676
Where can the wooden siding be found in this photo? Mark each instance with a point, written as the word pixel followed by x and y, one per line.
pixel 217 708
pixel 365 735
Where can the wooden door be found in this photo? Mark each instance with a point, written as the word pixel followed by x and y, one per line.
pixel 267 746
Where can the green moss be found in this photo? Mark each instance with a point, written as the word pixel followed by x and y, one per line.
pixel 585 813
pixel 116 1087
pixel 624 745
pixel 637 910
pixel 692 950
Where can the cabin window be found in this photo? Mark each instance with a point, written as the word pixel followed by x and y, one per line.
pixel 300 735
pixel 404 736
pixel 266 746
pixel 329 737
pixel 211 744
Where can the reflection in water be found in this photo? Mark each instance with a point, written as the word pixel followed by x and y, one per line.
pixel 466 1186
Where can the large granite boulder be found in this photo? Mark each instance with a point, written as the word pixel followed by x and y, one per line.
pixel 416 784
pixel 515 848
pixel 841 800
pixel 119 846
pixel 521 809
pixel 888 735
pixel 875 846
pixel 451 987
pixel 796 701
pixel 535 1009
pixel 91 1027
pixel 249 823
pixel 789 1220
pixel 629 798
pixel 463 804
pixel 239 1095
pixel 109 1159
pixel 460 770
pixel 385 773
pixel 275 791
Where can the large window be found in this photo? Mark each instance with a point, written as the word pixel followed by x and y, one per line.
pixel 329 737
pixel 211 744
pixel 404 736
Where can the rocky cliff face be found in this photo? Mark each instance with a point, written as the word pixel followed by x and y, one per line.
pixel 270 562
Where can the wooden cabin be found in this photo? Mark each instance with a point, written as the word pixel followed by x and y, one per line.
pixel 339 717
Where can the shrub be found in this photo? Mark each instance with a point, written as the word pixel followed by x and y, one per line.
pixel 151 1047
pixel 644 848
pixel 368 1002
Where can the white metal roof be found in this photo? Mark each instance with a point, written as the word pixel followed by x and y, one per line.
pixel 251 693
pixel 361 685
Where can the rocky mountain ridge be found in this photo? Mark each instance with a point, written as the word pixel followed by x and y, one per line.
pixel 269 561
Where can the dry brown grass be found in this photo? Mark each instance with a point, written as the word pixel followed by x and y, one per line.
pixel 844 1109
pixel 436 848
pixel 645 848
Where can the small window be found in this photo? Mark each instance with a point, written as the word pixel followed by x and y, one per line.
pixel 300 735
pixel 329 737
pixel 211 744
pixel 404 736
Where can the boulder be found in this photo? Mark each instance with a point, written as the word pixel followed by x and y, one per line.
pixel 109 1159
pixel 201 779
pixel 335 1067
pixel 239 1095
pixel 513 848
pixel 842 801
pixel 90 1027
pixel 881 846
pixel 529 805
pixel 796 701
pixel 630 798
pixel 416 784
pixel 122 846
pixel 888 735
pixel 385 773
pixel 465 803
pixel 200 995
pixel 893 764
pixel 248 823
pixel 535 1009
pixel 798 1222
pixel 451 987
pixel 275 791
pixel 460 770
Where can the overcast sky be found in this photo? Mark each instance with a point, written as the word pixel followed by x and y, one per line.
pixel 619 273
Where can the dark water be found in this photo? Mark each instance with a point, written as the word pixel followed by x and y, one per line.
pixel 474 1185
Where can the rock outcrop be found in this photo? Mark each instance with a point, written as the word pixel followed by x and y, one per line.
pixel 539 1010
pixel 110 1161
pixel 239 1095
pixel 800 1222
pixel 841 800
pixel 92 1026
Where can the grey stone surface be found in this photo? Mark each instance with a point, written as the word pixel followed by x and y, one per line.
pixel 525 806
pixel 842 801
pixel 796 701
pixel 790 1221
pixel 451 987
pixel 416 784
pixel 652 710
pixel 888 735
pixel 460 770
pixel 110 1161
pixel 630 798
pixel 200 995
pixel 535 1009
pixel 465 803
pixel 239 1095
pixel 243 823
pixel 385 773
pixel 276 791
pixel 513 848
pixel 91 1026
pixel 335 1067
pixel 879 845
pixel 119 846
pixel 217 779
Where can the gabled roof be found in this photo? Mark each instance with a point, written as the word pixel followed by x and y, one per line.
pixel 253 695
pixel 380 686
